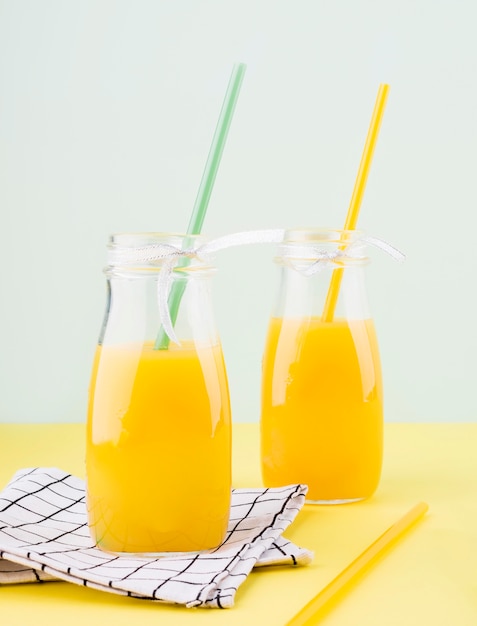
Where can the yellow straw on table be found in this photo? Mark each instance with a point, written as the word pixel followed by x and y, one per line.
pixel 357 196
pixel 309 614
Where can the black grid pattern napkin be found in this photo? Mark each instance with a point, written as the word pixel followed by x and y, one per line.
pixel 44 536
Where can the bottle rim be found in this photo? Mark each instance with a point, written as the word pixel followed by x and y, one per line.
pixel 318 234
pixel 336 247
pixel 149 251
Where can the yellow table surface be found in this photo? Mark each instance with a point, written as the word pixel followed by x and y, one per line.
pixel 428 577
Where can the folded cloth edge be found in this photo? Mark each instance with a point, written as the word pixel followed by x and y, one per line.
pixel 268 544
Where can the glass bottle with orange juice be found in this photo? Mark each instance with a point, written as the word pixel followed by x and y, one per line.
pixel 158 459
pixel 322 397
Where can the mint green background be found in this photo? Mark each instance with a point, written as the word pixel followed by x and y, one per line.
pixel 107 110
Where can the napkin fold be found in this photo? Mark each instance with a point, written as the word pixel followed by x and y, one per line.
pixel 44 536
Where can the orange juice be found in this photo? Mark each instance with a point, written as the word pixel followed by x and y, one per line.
pixel 158 448
pixel 322 409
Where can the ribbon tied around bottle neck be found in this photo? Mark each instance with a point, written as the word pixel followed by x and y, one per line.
pixel 318 259
pixel 168 257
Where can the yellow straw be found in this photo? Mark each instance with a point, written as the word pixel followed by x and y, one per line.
pixel 357 197
pixel 309 614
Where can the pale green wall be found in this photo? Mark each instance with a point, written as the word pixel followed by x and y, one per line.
pixel 107 109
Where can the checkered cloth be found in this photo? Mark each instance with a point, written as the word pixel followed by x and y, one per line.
pixel 44 536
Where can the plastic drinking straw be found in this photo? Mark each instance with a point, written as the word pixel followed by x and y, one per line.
pixel 357 196
pixel 309 614
pixel 205 187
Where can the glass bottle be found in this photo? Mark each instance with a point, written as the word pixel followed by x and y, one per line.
pixel 322 399
pixel 158 460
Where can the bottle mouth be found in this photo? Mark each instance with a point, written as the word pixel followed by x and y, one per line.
pixel 141 239
pixel 322 235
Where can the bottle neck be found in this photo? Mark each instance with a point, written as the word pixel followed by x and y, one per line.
pixel 149 252
pixel 314 250
pixel 317 264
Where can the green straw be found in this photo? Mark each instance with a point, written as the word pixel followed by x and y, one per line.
pixel 205 188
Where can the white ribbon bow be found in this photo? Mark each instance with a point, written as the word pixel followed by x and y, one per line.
pixel 323 259
pixel 168 256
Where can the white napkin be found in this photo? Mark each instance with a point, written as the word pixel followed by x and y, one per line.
pixel 44 536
